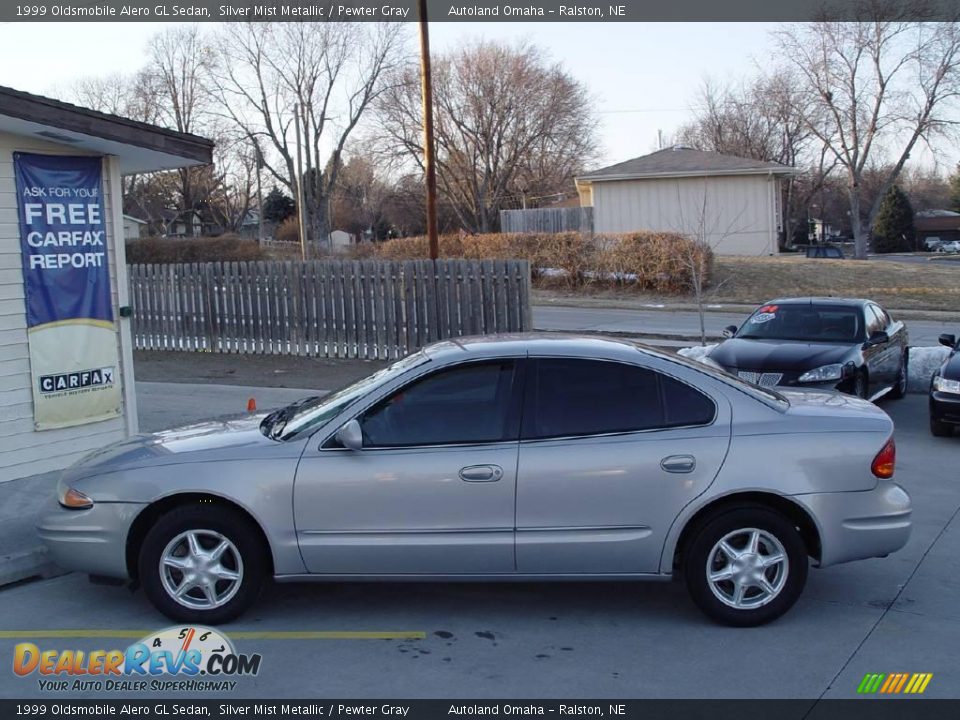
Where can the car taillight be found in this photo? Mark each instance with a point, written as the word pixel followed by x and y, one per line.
pixel 885 461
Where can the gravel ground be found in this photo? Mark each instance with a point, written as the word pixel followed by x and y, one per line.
pixel 279 371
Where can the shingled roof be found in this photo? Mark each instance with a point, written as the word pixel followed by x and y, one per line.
pixel 680 161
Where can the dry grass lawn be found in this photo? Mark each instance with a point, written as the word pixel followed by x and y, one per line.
pixel 924 285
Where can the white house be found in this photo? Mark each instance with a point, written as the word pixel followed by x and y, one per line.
pixel 37 126
pixel 132 226
pixel 734 203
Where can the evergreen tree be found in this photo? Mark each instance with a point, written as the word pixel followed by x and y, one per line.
pixel 893 229
pixel 277 207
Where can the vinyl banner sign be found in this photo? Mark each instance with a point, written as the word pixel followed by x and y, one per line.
pixel 70 326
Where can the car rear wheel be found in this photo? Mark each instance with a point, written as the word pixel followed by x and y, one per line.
pixel 940 429
pixel 900 385
pixel 746 566
pixel 202 564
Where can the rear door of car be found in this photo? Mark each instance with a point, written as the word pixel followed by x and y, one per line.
pixel 610 453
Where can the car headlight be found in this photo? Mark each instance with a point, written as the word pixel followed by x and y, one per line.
pixel 74 499
pixel 948 386
pixel 823 373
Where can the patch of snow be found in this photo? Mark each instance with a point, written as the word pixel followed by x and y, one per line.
pixel 924 362
pixel 697 352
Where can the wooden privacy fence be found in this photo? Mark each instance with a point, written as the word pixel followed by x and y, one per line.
pixel 369 309
pixel 547 220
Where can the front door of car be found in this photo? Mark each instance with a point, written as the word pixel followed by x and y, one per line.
pixel 882 359
pixel 610 454
pixel 433 488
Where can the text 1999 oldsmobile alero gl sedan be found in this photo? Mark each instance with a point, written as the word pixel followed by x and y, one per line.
pixel 514 457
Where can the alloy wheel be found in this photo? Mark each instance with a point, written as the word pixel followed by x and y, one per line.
pixel 747 568
pixel 201 569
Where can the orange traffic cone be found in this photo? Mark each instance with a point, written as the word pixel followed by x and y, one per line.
pixel 252 405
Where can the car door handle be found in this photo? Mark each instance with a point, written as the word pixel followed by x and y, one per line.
pixel 678 463
pixel 481 473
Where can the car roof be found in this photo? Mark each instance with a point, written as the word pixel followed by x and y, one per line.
pixel 535 343
pixel 852 302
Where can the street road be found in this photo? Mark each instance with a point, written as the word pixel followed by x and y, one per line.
pixel 530 640
pixel 683 323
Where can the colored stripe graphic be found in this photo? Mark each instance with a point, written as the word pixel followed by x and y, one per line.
pixel 894 683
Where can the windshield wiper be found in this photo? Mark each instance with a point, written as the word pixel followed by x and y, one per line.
pixel 273 424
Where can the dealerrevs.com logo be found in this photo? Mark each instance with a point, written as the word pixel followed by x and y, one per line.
pixel 180 658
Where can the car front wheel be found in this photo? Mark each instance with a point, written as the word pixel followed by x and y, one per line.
pixel 939 428
pixel 900 384
pixel 746 566
pixel 202 564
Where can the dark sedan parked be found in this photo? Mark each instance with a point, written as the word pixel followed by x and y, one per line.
pixel 849 345
pixel 945 391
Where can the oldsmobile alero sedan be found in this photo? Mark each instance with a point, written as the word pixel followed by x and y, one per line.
pixel 526 457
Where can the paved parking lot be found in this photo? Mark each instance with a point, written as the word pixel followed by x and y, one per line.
pixel 898 614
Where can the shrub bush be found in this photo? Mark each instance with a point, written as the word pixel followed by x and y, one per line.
pixel 164 251
pixel 288 231
pixel 648 261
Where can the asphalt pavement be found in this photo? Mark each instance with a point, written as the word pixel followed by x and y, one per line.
pixel 570 640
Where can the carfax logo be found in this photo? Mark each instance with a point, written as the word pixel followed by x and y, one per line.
pixel 198 658
pixel 97 377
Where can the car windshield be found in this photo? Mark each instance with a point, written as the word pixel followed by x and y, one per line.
pixel 311 412
pixel 804 323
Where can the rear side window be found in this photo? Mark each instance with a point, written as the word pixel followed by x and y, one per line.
pixel 570 397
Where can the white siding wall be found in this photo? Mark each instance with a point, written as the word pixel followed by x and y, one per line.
pixel 737 212
pixel 23 450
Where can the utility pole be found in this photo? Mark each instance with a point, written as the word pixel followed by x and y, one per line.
pixel 429 161
pixel 301 211
pixel 259 159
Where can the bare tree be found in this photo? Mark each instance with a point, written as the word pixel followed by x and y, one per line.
pixel 763 120
pixel 331 71
pixel 508 124
pixel 179 65
pixel 874 87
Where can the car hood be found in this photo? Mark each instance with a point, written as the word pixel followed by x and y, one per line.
pixel 950 370
pixel 782 355
pixel 226 439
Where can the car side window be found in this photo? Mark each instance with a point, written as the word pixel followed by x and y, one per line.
pixel 572 397
pixel 875 320
pixel 465 404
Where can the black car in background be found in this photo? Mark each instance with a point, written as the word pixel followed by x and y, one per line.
pixel 945 391
pixel 849 345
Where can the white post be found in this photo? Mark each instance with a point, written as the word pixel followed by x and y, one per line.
pixel 115 188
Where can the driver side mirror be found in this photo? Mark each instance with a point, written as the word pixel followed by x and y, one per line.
pixel 729 331
pixel 878 338
pixel 949 340
pixel 350 436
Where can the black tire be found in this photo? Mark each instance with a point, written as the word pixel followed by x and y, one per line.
pixel 703 547
pixel 208 522
pixel 939 429
pixel 899 388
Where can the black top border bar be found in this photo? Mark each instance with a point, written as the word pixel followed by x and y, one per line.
pixel 478 11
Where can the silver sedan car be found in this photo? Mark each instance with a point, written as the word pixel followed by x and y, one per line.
pixel 526 457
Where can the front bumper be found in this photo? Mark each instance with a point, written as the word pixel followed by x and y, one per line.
pixel 860 525
pixel 92 541
pixel 945 407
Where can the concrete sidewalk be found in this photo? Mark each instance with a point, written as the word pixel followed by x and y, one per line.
pixel 161 405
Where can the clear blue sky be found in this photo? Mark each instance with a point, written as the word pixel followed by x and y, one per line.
pixel 644 77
